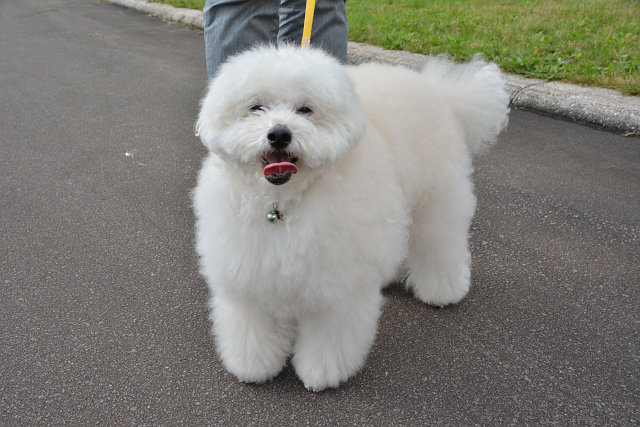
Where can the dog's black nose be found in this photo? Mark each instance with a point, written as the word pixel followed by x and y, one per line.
pixel 279 136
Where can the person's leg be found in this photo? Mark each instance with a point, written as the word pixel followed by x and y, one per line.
pixel 329 30
pixel 232 26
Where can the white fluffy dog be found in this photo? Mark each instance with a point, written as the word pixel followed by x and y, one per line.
pixel 325 183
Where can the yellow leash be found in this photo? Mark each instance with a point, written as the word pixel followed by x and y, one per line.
pixel 308 21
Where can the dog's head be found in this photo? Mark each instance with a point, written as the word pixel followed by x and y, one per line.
pixel 272 112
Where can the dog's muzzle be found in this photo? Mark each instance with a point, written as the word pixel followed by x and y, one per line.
pixel 279 163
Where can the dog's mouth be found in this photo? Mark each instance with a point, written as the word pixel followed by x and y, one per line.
pixel 278 166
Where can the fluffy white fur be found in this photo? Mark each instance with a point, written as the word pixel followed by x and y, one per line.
pixel 382 193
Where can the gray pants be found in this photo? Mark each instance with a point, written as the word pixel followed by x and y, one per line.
pixel 232 26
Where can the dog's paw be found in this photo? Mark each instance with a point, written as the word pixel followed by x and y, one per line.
pixel 443 289
pixel 254 365
pixel 319 373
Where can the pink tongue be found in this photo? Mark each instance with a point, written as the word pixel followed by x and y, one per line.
pixel 280 168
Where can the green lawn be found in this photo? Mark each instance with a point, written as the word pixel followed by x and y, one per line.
pixel 594 42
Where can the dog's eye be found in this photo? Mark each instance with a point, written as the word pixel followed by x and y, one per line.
pixel 257 107
pixel 305 110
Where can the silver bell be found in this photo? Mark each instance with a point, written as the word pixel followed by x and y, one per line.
pixel 273 216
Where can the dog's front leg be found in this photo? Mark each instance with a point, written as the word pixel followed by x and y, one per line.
pixel 333 344
pixel 253 345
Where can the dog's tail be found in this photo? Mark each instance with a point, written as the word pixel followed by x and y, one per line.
pixel 479 96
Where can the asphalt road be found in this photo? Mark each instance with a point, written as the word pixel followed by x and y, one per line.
pixel 103 316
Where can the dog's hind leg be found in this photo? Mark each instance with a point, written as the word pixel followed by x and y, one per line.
pixel 253 345
pixel 439 261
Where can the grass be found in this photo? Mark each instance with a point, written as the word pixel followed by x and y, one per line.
pixel 189 4
pixel 591 42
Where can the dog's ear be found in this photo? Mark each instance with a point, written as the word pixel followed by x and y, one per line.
pixel 204 133
pixel 205 125
pixel 356 121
